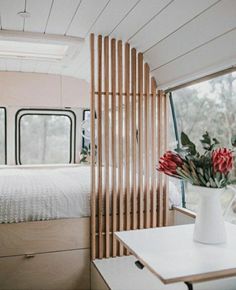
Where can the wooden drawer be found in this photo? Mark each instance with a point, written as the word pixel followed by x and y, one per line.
pixel 67 270
pixel 44 236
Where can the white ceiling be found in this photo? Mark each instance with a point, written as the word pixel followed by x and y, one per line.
pixel 181 39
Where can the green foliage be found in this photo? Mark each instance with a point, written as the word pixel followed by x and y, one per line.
pixel 197 168
pixel 207 143
pixel 85 154
pixel 188 145
pixel 233 141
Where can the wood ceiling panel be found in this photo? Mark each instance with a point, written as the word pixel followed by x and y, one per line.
pixel 138 17
pixel 215 21
pixel 86 15
pixel 174 16
pixel 214 56
pixel 39 11
pixel 9 18
pixel 112 15
pixel 61 16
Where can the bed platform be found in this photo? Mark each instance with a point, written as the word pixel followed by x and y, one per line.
pixel 48 255
pixel 45 228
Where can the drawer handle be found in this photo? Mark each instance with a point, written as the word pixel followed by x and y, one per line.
pixel 29 256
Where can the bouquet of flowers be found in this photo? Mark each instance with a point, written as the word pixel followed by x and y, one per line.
pixel 210 169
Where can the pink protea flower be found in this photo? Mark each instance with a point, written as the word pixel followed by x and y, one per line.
pixel 169 162
pixel 222 159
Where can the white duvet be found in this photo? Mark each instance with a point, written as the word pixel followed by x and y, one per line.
pixel 43 194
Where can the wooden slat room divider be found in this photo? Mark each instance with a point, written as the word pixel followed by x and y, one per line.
pixel 129 122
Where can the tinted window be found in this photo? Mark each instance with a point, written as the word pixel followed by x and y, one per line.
pixel 44 139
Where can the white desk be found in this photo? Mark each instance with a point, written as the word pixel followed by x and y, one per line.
pixel 172 255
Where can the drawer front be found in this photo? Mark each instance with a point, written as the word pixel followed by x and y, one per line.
pixel 44 236
pixel 68 270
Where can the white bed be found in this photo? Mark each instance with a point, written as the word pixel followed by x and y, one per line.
pixel 49 193
pixel 44 194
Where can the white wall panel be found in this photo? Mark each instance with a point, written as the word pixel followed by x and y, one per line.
pixel 86 15
pixel 112 15
pixel 175 15
pixel 39 11
pixel 138 17
pixel 42 66
pixel 214 56
pixel 61 15
pixel 42 90
pixel 12 65
pixel 9 17
pixel 28 65
pixel 215 21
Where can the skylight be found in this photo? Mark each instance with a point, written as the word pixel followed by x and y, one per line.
pixel 32 50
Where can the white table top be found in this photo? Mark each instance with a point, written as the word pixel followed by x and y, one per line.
pixel 172 255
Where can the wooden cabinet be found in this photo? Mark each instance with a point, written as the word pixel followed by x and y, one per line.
pixel 67 270
pixel 47 255
pixel 44 236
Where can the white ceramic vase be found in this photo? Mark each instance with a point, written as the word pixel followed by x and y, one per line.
pixel 209 224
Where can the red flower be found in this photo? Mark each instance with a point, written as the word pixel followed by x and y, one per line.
pixel 222 160
pixel 169 162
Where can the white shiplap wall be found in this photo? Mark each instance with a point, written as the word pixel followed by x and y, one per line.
pixel 181 39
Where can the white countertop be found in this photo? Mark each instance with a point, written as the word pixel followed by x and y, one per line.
pixel 172 255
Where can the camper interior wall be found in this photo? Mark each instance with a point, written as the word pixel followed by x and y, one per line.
pixel 35 90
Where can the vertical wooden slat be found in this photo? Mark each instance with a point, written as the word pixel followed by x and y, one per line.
pixel 147 147
pixel 92 128
pixel 120 133
pixel 99 149
pixel 149 194
pixel 127 134
pixel 140 125
pixel 106 143
pixel 154 154
pixel 159 152
pixel 113 147
pixel 134 139
pixel 165 144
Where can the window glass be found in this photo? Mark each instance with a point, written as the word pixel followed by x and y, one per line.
pixel 86 133
pixel 208 106
pixel 2 135
pixel 44 139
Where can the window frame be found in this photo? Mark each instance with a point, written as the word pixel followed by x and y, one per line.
pixel 5 132
pixel 45 112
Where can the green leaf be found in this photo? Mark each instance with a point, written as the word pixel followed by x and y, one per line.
pixel 206 139
pixel 83 151
pixel 85 148
pixel 83 159
pixel 212 182
pixel 233 141
pixel 189 145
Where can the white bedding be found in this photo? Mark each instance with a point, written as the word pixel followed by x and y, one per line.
pixel 43 194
